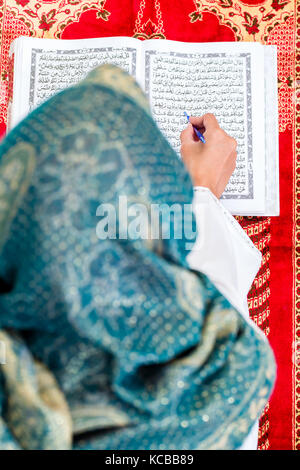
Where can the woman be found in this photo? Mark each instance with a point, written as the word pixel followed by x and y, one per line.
pixel 121 343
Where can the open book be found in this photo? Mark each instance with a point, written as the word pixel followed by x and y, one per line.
pixel 235 81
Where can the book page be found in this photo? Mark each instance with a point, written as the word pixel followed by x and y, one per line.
pixel 226 79
pixel 271 131
pixel 57 64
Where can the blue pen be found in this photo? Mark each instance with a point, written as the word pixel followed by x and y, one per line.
pixel 201 136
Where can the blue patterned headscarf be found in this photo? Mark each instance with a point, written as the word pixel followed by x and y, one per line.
pixel 111 344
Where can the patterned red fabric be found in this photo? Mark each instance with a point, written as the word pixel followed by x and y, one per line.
pixel 274 299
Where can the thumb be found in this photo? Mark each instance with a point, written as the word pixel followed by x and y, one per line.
pixel 187 135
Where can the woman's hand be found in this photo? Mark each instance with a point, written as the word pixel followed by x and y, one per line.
pixel 210 164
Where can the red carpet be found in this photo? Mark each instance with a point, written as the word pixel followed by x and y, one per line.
pixel 274 299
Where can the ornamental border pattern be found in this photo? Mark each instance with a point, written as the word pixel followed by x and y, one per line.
pixel 296 239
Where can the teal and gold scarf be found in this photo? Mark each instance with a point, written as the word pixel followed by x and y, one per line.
pixel 112 343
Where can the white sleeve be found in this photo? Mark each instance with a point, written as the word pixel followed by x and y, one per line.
pixel 228 257
pixel 223 251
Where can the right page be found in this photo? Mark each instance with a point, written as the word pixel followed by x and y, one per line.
pixel 226 79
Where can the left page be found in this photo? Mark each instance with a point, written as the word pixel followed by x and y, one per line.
pixel 47 66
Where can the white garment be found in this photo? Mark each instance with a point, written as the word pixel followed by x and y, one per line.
pixel 228 257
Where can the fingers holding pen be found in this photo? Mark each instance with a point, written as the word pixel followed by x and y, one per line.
pixel 206 123
pixel 210 164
